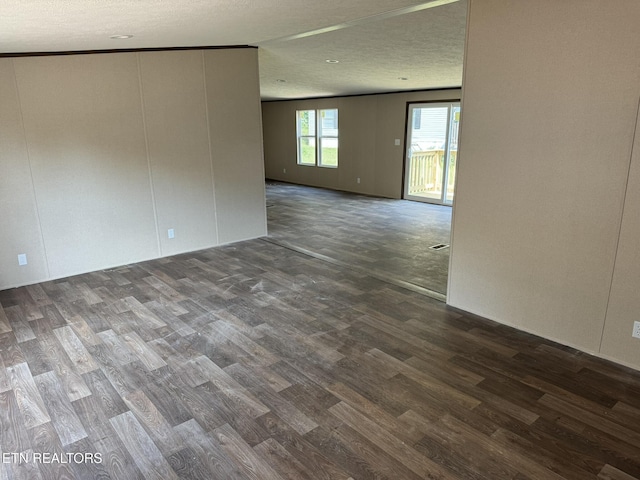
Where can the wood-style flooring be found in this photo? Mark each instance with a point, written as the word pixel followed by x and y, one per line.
pixel 253 361
pixel 388 238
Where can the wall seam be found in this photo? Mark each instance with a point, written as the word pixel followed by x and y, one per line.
pixel 33 184
pixel 621 219
pixel 213 181
pixel 148 153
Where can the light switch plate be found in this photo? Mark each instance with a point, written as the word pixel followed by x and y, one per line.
pixel 22 259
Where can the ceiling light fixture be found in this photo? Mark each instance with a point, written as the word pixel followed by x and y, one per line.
pixel 403 78
pixel 120 37
pixel 332 61
pixel 280 80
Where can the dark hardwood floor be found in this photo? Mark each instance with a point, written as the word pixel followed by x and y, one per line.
pixel 383 237
pixel 253 361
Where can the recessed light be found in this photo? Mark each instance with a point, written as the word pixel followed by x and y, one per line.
pixel 120 37
pixel 403 78
pixel 280 80
pixel 332 61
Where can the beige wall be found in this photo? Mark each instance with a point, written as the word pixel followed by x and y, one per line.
pixel 549 111
pixel 101 154
pixel 368 126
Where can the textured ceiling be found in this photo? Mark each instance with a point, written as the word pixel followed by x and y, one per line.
pixel 375 41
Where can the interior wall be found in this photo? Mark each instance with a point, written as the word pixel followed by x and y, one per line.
pixel 549 111
pixel 101 154
pixel 20 228
pixel 624 301
pixel 368 126
pixel 235 131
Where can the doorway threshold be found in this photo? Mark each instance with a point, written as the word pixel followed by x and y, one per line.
pixel 385 278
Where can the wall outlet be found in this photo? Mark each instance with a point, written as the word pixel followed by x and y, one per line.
pixel 358 179
pixel 171 233
pixel 22 259
pixel 636 330
pixel 284 170
pixel 397 142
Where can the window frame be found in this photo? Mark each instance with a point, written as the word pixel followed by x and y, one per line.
pixel 300 137
pixel 322 136
pixel 316 138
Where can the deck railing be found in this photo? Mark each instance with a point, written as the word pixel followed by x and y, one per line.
pixel 426 171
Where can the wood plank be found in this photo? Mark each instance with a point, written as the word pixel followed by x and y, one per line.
pixel 612 473
pixel 5 383
pixel 282 461
pixel 245 458
pixel 36 359
pixel 144 352
pixel 417 463
pixel 144 452
pixel 83 331
pixel 4 321
pixel 10 351
pixel 254 350
pixel 72 381
pixel 13 433
pixel 44 439
pixel 63 417
pixel 596 421
pixel 323 467
pixel 119 351
pixel 209 451
pixel 143 313
pixel 387 421
pixel 209 371
pixel 85 468
pixel 27 396
pixel 78 354
pixel 38 294
pixel 19 324
pixel 154 423
pixel 434 385
pixel 25 470
pixel 284 409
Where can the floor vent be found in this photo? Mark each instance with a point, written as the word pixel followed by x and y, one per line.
pixel 439 246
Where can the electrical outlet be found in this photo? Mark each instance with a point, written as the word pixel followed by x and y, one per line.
pixel 636 330
pixel 171 233
pixel 284 170
pixel 397 142
pixel 22 259
pixel 358 180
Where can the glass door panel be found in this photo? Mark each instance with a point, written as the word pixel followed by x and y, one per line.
pixel 432 133
pixel 454 127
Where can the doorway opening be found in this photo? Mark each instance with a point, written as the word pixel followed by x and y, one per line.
pixel 432 150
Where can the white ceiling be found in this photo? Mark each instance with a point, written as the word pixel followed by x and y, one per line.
pixel 375 41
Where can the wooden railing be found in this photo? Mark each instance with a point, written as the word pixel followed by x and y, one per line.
pixel 427 169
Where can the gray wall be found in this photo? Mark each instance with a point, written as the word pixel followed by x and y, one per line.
pixel 368 127
pixel 101 154
pixel 540 240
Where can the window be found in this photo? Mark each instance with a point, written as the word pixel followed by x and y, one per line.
pixel 306 137
pixel 322 134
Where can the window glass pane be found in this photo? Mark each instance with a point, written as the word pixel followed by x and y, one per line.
pixel 307 151
pixel 306 122
pixel 329 123
pixel 329 152
pixel 431 132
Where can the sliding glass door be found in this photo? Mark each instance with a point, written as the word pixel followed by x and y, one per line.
pixel 432 147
